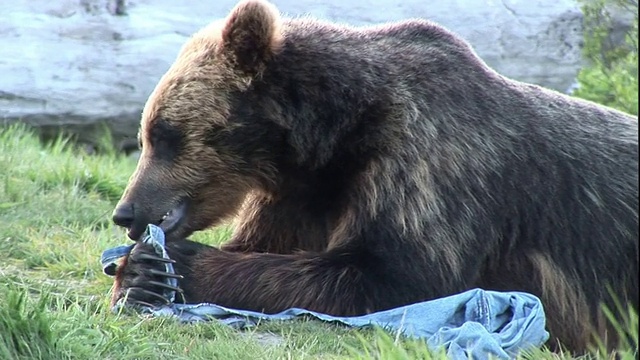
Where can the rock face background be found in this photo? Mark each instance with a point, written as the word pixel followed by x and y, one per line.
pixel 83 63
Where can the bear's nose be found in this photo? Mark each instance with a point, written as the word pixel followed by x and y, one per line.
pixel 123 215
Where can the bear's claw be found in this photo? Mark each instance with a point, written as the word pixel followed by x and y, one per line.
pixel 165 274
pixel 140 303
pixel 146 279
pixel 166 286
pixel 147 293
pixel 150 257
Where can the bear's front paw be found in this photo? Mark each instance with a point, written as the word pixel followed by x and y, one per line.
pixel 143 279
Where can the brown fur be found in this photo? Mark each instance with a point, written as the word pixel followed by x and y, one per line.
pixel 562 299
pixel 369 168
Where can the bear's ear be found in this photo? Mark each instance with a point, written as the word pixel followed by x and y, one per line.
pixel 252 34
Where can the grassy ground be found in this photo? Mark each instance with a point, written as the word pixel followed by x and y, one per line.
pixel 55 204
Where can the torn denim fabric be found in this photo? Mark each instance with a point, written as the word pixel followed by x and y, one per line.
pixel 476 324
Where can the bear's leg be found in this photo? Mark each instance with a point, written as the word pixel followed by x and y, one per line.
pixel 334 282
pixel 574 314
pixel 278 227
pixel 565 306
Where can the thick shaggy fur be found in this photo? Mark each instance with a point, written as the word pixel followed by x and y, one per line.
pixel 370 168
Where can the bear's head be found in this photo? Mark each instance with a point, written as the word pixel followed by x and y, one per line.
pixel 203 147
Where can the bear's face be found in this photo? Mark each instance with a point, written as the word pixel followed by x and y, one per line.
pixel 199 157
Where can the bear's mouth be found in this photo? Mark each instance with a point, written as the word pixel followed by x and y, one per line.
pixel 174 217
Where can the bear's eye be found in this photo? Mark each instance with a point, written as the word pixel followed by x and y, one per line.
pixel 166 140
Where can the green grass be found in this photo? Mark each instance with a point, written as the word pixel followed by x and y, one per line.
pixel 55 204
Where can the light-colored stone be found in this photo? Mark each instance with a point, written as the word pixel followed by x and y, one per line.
pixel 79 63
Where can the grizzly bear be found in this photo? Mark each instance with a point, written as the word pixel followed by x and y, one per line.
pixel 372 167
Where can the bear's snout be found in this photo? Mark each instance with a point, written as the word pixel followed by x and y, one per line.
pixel 125 215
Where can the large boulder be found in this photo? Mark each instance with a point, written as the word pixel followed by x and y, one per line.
pixel 80 64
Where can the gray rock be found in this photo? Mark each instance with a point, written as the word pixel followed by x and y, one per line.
pixel 81 64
